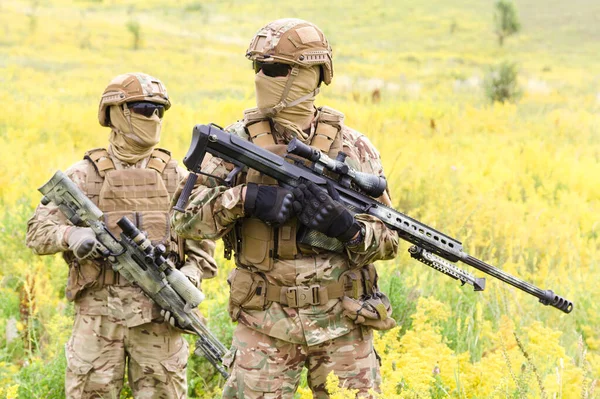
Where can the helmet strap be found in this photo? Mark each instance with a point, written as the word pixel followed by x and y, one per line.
pixel 282 103
pixel 127 114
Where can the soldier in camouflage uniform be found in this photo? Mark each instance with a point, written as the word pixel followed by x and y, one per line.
pixel 304 292
pixel 115 322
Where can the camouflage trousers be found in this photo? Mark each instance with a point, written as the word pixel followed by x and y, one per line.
pixel 264 367
pixel 98 350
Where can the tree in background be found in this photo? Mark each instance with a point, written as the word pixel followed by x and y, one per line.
pixel 506 20
pixel 133 26
pixel 501 84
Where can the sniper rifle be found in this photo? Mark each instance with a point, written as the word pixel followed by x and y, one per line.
pixel 140 262
pixel 431 247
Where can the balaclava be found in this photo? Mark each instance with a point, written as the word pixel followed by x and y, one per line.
pixel 131 142
pixel 270 89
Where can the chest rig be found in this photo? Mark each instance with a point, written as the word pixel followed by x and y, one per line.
pixel 259 244
pixel 142 194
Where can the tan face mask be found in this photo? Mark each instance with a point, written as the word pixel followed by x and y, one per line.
pixel 270 89
pixel 132 146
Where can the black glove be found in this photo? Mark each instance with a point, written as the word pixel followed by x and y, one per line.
pixel 271 204
pixel 319 211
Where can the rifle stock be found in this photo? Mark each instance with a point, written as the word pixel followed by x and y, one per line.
pixel 431 247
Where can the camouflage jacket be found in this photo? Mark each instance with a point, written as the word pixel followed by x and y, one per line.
pixel 126 305
pixel 214 209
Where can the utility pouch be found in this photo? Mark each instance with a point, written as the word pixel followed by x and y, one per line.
pixel 256 250
pixel 286 240
pixel 247 290
pixel 373 311
pixel 364 303
pixel 82 274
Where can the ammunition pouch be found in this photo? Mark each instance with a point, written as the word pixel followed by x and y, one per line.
pixel 256 244
pixel 260 244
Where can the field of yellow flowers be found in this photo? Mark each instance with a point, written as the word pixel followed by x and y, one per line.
pixel 518 184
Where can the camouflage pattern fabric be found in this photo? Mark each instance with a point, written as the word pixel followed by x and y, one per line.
pixel 213 209
pixel 46 228
pixel 272 341
pixel 275 30
pixel 114 323
pixel 263 367
pixel 157 358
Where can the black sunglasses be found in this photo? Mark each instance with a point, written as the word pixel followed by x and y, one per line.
pixel 272 69
pixel 146 108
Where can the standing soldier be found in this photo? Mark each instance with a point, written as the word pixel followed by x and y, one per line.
pixel 304 292
pixel 115 322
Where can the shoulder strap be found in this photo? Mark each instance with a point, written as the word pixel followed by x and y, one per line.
pixel 159 158
pixel 166 167
pixel 100 158
pixel 329 125
pixel 259 128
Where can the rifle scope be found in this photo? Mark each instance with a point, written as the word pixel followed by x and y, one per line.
pixel 154 255
pixel 372 185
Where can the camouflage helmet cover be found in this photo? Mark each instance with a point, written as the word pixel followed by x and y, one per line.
pixel 295 42
pixel 131 87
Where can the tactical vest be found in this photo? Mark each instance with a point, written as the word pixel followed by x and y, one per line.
pixel 257 243
pixel 143 195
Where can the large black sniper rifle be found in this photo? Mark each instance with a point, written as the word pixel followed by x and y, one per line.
pixel 431 247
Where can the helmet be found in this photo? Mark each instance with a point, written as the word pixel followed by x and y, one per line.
pixel 295 42
pixel 131 87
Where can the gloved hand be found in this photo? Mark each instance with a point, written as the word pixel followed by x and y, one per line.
pixel 82 241
pixel 319 211
pixel 271 204
pixel 168 317
pixel 173 322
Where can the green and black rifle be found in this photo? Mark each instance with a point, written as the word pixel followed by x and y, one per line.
pixel 356 191
pixel 140 262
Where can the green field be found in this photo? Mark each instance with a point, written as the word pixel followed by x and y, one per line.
pixel 518 184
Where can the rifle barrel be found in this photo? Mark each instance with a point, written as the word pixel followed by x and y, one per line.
pixel 546 297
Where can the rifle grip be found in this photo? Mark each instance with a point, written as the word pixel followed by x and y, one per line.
pixel 186 192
